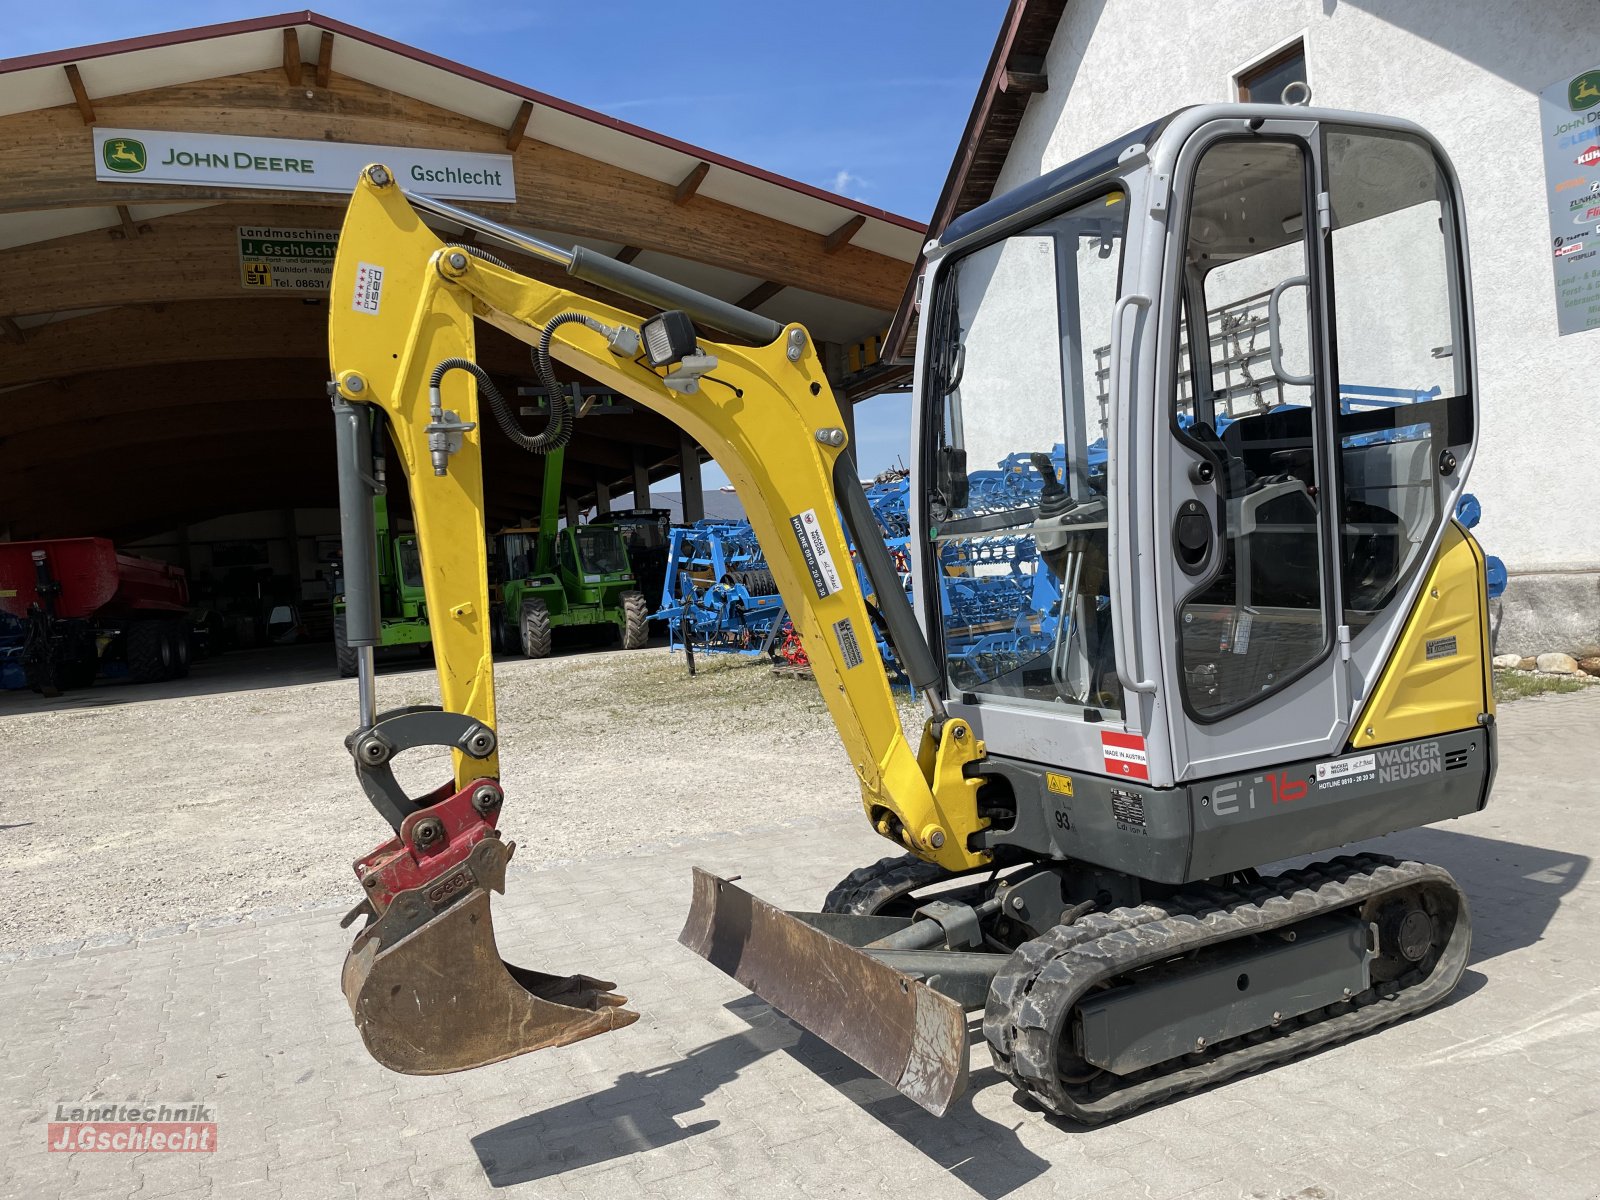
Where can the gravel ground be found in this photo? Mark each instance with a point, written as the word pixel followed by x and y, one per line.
pixel 126 813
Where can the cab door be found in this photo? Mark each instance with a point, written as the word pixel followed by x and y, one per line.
pixel 1320 419
pixel 1250 580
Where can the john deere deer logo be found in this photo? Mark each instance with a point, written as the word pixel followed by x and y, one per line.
pixel 126 155
pixel 1584 91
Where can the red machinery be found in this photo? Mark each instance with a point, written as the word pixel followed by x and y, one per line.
pixel 86 604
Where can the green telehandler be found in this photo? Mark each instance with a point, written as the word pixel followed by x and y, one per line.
pixel 552 578
pixel 403 607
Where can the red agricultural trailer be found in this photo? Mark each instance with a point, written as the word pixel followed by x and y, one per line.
pixel 85 605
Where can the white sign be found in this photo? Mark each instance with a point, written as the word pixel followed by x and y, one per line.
pixel 290 165
pixel 1341 768
pixel 819 559
pixel 1570 113
pixel 369 288
pixel 286 259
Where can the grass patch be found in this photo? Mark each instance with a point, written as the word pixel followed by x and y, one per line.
pixel 1519 685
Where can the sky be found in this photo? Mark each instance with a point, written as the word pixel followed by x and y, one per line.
pixel 863 98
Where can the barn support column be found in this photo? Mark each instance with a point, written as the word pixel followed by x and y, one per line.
pixel 641 479
pixel 602 500
pixel 694 498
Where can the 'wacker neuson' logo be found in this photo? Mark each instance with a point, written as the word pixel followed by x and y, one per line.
pixel 126 155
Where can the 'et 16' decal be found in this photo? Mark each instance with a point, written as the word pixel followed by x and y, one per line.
pixel 1226 800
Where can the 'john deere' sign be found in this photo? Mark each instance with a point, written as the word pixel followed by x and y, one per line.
pixel 283 164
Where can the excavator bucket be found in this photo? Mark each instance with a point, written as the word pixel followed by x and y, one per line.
pixel 897 1027
pixel 431 995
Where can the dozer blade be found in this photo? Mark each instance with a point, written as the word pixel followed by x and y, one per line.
pixel 898 1028
pixel 431 994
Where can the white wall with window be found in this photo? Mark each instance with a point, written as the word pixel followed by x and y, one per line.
pixel 1472 77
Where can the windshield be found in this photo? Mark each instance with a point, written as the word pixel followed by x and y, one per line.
pixel 600 550
pixel 1017 500
pixel 410 562
pixel 517 555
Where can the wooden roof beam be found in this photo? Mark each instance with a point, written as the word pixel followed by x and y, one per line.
pixel 292 69
pixel 128 229
pixel 690 184
pixel 80 93
pixel 325 59
pixel 1024 75
pixel 840 237
pixel 519 125
pixel 759 295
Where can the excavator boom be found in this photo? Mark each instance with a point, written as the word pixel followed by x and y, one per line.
pixel 424 980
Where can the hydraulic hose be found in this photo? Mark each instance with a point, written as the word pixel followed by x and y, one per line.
pixel 558 428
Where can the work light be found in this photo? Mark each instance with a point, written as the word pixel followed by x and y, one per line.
pixel 668 337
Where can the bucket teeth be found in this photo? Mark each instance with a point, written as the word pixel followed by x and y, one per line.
pixel 438 998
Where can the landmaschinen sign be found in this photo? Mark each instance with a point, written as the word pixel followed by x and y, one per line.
pixel 291 165
pixel 287 259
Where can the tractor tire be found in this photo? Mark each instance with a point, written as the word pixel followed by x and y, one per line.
pixel 178 631
pixel 344 654
pixel 635 621
pixel 535 629
pixel 150 652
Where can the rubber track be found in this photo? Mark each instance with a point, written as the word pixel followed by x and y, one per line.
pixel 866 891
pixel 1031 1001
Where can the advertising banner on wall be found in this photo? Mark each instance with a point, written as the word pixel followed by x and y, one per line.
pixel 1569 113
pixel 292 165
pixel 277 258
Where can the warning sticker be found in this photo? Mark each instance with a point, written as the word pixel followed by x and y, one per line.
pixel 369 288
pixel 1343 768
pixel 1124 755
pixel 1061 785
pixel 814 547
pixel 848 646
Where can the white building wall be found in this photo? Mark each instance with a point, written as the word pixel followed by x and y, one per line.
pixel 1470 72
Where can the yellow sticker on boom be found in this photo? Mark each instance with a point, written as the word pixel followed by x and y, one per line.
pixel 1059 784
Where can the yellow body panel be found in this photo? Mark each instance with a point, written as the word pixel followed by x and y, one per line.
pixel 1432 684
pixel 758 417
pixel 419 321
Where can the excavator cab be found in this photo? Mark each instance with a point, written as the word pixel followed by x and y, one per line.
pixel 1194 412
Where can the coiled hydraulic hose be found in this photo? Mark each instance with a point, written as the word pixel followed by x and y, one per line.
pixel 558 428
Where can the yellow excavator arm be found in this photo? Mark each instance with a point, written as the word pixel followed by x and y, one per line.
pixel 423 977
pixel 404 302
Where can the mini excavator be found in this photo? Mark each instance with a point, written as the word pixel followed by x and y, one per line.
pixel 1193 415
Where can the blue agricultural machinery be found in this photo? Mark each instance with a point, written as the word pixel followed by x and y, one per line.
pixel 1001 610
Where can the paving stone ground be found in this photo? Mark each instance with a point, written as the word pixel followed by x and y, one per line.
pixel 711 1094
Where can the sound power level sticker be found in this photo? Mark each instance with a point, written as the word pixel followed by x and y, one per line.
pixel 848 646
pixel 814 548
